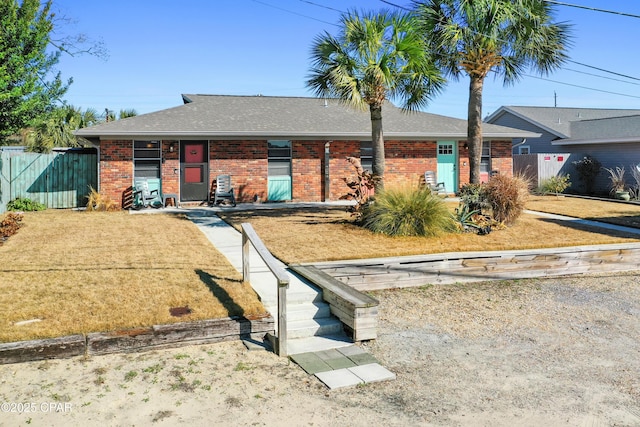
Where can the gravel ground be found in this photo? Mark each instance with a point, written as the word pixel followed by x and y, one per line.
pixel 561 351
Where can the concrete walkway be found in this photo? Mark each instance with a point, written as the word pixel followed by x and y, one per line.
pixel 580 221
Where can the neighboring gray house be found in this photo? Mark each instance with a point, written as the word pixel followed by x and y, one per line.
pixel 612 136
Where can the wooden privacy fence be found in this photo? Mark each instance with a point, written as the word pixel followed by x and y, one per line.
pixel 542 166
pixel 449 268
pixel 61 179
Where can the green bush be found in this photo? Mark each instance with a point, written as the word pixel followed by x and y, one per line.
pixel 407 212
pixel 25 205
pixel 507 196
pixel 555 184
pixel 588 169
pixel 473 198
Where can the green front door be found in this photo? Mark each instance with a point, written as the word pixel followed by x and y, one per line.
pixel 447 159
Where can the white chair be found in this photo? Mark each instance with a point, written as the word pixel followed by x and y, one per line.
pixel 431 182
pixel 224 191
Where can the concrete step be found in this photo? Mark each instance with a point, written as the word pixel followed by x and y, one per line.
pixel 313 327
pixel 317 343
pixel 293 298
pixel 305 311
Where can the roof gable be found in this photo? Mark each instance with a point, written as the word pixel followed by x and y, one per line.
pixel 558 120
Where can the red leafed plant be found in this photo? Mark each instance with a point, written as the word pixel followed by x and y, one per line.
pixel 360 188
pixel 9 225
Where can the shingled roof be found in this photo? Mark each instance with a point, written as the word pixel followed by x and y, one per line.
pixel 242 117
pixel 561 121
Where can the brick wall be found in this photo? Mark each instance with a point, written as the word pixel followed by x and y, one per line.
pixel 116 168
pixel 501 160
pixel 501 157
pixel 246 162
pixel 170 168
pixel 407 161
pixel 339 168
pixel 307 170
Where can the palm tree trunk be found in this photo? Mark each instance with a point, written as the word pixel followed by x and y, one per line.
pixel 474 128
pixel 377 143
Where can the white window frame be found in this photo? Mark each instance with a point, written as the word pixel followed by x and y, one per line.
pixel 526 148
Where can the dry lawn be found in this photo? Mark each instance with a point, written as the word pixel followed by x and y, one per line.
pixel 627 214
pixel 78 272
pixel 326 234
pixel 81 272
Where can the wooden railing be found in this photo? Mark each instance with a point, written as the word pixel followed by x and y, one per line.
pixel 250 236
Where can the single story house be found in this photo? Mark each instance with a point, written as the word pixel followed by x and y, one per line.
pixel 612 136
pixel 282 148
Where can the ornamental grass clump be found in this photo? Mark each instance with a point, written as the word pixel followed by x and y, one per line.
pixel 96 202
pixel 507 196
pixel 407 212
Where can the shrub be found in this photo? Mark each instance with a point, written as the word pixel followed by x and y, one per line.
pixel 474 198
pixel 9 225
pixel 588 169
pixel 24 204
pixel 97 202
pixel 555 184
pixel 360 188
pixel 407 212
pixel 507 197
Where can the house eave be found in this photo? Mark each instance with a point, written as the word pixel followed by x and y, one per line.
pixel 398 136
pixel 566 142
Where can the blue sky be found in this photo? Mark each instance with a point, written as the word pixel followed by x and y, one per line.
pixel 160 49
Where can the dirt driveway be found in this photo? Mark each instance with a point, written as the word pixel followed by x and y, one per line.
pixel 561 351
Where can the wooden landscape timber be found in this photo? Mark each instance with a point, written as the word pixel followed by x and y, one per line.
pixel 133 340
pixel 460 267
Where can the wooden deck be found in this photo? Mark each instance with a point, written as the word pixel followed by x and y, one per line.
pixel 449 268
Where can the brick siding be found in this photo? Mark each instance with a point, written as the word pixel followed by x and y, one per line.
pixel 246 162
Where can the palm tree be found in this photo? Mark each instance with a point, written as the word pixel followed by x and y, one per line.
pixel 476 37
pixel 110 115
pixel 375 57
pixel 129 112
pixel 57 127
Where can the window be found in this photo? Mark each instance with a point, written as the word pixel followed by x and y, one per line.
pixel 146 159
pixel 485 159
pixel 524 149
pixel 279 158
pixel 444 149
pixel 366 155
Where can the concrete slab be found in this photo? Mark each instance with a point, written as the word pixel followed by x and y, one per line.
pixel 311 363
pixel 335 359
pixel 351 350
pixel 339 378
pixel 305 345
pixel 363 359
pixel 373 372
